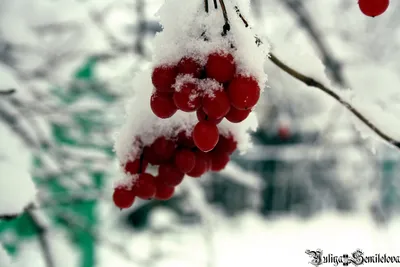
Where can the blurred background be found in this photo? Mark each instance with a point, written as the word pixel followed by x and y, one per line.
pixel 311 180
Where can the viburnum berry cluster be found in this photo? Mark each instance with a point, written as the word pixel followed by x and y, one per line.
pixel 214 91
pixel 195 107
pixel 174 158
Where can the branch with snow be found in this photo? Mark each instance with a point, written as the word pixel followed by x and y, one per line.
pixel 349 104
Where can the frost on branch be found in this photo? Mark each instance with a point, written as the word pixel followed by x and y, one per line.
pixel 194 107
pixel 17 190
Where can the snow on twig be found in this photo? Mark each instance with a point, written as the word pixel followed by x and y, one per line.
pixel 311 82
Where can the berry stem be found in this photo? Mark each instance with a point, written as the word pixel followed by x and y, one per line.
pixel 206 8
pixel 246 24
pixel 215 4
pixel 141 163
pixel 227 26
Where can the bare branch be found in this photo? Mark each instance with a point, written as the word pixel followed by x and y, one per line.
pixel 333 65
pixel 316 84
pixel 7 91
pixel 43 241
pixel 313 83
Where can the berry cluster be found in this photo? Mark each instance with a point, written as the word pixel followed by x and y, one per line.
pixel 175 157
pixel 213 90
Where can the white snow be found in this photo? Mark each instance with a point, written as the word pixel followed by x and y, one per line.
pixel 5 260
pixel 250 239
pixel 141 123
pixel 17 190
pixel 383 119
pixel 184 24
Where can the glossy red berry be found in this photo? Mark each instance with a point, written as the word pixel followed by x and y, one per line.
pixel 163 78
pixel 162 105
pixel 190 66
pixel 185 160
pixel 144 186
pixel 185 140
pixel 202 116
pixel 170 174
pixel 201 166
pixel 187 98
pixel 221 67
pixel 136 166
pixel 235 115
pixel 164 148
pixel 243 92
pixel 219 160
pixel 151 156
pixel 373 8
pixel 205 136
pixel 123 197
pixel 216 106
pixel 226 144
pixel 163 191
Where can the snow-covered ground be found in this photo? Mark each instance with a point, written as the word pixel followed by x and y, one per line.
pixel 252 240
pixel 369 52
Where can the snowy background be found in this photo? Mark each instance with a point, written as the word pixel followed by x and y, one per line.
pixel 316 177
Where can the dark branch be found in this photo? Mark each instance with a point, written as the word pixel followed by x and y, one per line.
pixel 333 65
pixel 7 91
pixel 314 83
pixel 43 241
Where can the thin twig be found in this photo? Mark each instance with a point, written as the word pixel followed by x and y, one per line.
pixel 333 65
pixel 206 8
pixel 314 83
pixel 7 91
pixel 43 241
pixel 227 26
pixel 215 4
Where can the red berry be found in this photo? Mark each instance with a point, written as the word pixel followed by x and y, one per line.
pixel 373 8
pixel 163 191
pixel 235 115
pixel 201 166
pixel 189 66
pixel 144 186
pixel 170 174
pixel 151 156
pixel 205 136
pixel 162 105
pixel 164 148
pixel 123 197
pixel 216 106
pixel 221 67
pixel 226 144
pixel 185 160
pixel 133 167
pixel 163 78
pixel 185 140
pixel 219 160
pixel 244 92
pixel 188 98
pixel 202 116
